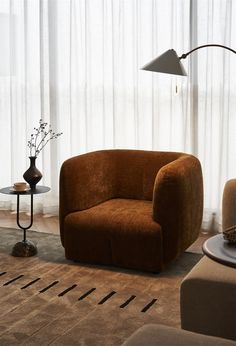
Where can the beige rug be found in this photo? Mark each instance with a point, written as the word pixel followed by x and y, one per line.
pixel 46 299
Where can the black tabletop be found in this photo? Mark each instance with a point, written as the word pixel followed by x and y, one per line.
pixel 220 250
pixel 38 189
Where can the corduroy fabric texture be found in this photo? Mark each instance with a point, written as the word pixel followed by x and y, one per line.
pixel 131 208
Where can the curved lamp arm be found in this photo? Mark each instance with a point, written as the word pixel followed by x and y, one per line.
pixel 183 56
pixel 170 62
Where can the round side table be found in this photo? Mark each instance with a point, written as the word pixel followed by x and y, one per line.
pixel 24 248
pixel 220 250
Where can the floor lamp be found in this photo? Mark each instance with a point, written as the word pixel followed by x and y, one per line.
pixel 169 62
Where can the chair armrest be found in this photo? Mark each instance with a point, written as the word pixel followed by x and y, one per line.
pixel 178 204
pixel 229 204
pixel 85 181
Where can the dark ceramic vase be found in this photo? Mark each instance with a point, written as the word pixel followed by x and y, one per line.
pixel 32 176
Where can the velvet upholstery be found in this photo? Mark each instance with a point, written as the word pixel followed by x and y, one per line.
pixel 229 204
pixel 131 208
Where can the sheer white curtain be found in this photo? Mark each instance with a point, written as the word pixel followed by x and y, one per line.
pixel 215 69
pixel 77 64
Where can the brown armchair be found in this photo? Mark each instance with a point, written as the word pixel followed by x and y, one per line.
pixel 130 208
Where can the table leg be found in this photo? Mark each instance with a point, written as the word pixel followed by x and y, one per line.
pixel 24 248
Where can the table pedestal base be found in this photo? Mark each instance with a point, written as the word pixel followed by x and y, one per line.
pixel 24 249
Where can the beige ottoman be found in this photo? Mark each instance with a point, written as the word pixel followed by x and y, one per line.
pixel 208 299
pixel 159 335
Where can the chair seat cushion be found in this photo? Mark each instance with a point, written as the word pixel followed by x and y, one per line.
pixel 119 232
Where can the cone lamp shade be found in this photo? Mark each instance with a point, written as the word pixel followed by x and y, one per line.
pixel 168 62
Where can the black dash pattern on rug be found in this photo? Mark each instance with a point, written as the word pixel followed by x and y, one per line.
pixel 40 304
